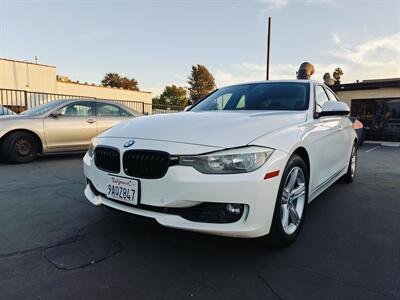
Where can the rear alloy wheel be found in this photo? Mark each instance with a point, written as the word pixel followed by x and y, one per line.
pixel 291 203
pixel 20 147
pixel 352 168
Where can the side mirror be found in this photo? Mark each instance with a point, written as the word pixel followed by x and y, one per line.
pixel 55 114
pixel 334 108
pixel 187 107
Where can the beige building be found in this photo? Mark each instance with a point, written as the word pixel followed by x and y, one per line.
pixel 42 79
pixel 369 89
pixel 376 103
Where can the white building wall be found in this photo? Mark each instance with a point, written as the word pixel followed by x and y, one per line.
pixel 18 75
pixel 77 89
pixel 347 96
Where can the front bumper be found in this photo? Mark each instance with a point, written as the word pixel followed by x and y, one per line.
pixel 184 187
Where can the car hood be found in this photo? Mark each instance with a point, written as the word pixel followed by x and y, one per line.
pixel 218 129
pixel 16 117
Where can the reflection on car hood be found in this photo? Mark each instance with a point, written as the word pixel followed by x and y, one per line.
pixel 219 129
pixel 16 117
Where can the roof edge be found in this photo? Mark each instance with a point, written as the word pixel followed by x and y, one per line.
pixel 26 62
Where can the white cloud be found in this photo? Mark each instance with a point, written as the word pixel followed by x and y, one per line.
pixel 279 4
pixel 247 72
pixel 274 4
pixel 374 52
pixel 375 58
pixel 329 2
pixel 352 72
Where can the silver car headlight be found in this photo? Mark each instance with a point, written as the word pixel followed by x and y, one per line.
pixel 232 161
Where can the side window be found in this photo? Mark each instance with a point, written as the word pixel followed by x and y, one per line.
pixel 222 100
pixel 109 110
pixel 77 109
pixel 242 103
pixel 320 98
pixel 331 95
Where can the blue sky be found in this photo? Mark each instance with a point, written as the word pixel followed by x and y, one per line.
pixel 157 41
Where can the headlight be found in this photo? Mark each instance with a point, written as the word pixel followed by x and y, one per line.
pixel 91 149
pixel 239 160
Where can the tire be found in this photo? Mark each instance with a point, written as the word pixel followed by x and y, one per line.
pixel 20 147
pixel 281 235
pixel 351 169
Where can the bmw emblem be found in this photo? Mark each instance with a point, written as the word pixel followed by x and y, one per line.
pixel 129 143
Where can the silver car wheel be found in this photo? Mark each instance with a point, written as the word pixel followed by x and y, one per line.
pixel 292 202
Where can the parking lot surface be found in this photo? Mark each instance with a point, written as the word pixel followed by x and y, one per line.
pixel 56 245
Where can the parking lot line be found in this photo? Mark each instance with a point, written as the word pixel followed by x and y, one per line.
pixel 372 149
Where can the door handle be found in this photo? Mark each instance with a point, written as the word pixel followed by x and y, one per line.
pixel 91 121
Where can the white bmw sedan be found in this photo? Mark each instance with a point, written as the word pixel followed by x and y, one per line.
pixel 244 162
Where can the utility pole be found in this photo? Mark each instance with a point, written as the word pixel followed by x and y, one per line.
pixel 268 46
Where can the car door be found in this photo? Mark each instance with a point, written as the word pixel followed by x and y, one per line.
pixel 325 137
pixel 109 115
pixel 71 127
pixel 346 129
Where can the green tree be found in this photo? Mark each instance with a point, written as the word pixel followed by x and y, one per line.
pixel 174 95
pixel 118 81
pixel 201 83
pixel 157 102
pixel 337 74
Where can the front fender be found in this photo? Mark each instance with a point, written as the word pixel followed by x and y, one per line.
pixel 35 127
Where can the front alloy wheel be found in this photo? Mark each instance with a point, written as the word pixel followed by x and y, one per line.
pixel 291 203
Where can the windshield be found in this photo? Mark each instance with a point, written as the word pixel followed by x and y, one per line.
pixel 5 111
pixel 258 96
pixel 41 109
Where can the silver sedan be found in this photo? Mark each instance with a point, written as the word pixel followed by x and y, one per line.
pixel 57 126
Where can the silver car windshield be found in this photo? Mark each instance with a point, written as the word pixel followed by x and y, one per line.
pixel 6 111
pixel 41 109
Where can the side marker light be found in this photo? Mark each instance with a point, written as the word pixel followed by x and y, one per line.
pixel 271 174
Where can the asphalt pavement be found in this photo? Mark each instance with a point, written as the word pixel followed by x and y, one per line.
pixel 56 245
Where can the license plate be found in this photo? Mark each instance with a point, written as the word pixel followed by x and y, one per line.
pixel 123 189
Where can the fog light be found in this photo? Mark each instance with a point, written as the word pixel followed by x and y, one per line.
pixel 233 209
